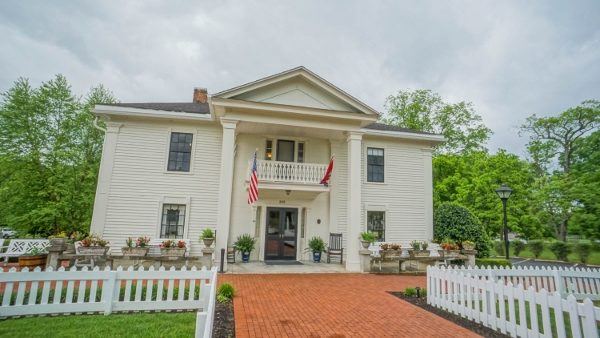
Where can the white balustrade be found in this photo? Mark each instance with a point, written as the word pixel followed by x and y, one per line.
pixel 289 172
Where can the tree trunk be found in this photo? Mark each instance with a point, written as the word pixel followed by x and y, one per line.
pixel 563 230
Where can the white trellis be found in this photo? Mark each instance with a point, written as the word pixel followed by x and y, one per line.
pixel 511 308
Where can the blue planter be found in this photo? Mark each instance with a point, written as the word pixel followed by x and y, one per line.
pixel 245 257
pixel 317 257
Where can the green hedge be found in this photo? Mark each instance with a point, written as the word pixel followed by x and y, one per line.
pixel 485 262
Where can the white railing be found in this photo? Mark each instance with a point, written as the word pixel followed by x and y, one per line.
pixel 289 172
pixel 510 309
pixel 579 282
pixel 40 292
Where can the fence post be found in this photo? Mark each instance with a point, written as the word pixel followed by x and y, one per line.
pixel 108 291
pixel 558 283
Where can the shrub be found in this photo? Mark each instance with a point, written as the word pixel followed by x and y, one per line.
pixel 316 244
pixel 560 250
pixel 536 247
pixel 499 248
pixel 368 236
pixel 455 222
pixel 410 292
pixel 518 246
pixel 225 293
pixel 245 243
pixel 583 250
pixel 485 262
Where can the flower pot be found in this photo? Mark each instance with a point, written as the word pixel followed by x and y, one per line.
pixel 468 247
pixel 58 243
pixel 451 253
pixel 32 261
pixel 418 253
pixel 172 252
pixel 135 252
pixel 317 256
pixel 208 242
pixel 365 244
pixel 93 250
pixel 245 257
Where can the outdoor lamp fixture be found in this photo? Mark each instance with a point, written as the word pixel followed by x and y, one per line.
pixel 504 193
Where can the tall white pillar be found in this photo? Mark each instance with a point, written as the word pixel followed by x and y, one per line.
pixel 428 179
pixel 354 201
pixel 104 177
pixel 225 187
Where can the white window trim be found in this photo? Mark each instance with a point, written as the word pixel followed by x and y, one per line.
pixel 194 133
pixel 274 149
pixel 376 207
pixel 385 164
pixel 174 200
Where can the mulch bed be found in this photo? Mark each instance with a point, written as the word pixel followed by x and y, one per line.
pixel 224 324
pixel 458 320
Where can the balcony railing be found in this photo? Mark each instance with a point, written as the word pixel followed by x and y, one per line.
pixel 290 172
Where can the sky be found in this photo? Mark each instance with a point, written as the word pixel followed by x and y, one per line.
pixel 510 59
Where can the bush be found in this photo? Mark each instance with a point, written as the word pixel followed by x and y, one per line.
pixel 458 224
pixel 583 250
pixel 560 250
pixel 499 248
pixel 518 246
pixel 410 292
pixel 536 247
pixel 225 293
pixel 485 262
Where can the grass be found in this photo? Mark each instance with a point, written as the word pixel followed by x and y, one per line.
pixel 593 259
pixel 163 324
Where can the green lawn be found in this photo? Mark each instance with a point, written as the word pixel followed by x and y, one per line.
pixel 115 325
pixel 594 258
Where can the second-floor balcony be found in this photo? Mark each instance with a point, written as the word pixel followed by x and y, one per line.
pixel 289 172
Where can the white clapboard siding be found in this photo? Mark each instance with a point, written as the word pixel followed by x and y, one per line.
pixel 505 307
pixel 114 290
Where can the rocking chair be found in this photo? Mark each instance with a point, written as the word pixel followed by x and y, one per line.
pixel 335 247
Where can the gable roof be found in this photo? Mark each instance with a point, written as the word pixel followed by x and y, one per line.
pixel 184 107
pixel 307 75
pixel 387 127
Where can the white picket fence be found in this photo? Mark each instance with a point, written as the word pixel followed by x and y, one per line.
pixel 63 291
pixel 509 308
pixel 579 282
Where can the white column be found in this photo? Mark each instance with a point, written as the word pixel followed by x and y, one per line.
pixel 104 177
pixel 225 187
pixel 428 189
pixel 354 201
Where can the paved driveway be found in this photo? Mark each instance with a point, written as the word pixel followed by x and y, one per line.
pixel 332 305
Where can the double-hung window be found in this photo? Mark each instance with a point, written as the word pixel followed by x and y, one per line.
pixel 375 165
pixel 172 221
pixel 376 224
pixel 180 152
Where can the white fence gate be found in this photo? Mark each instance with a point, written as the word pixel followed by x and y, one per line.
pixel 104 291
pixel 508 308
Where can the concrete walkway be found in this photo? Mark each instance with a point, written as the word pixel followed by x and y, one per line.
pixel 332 305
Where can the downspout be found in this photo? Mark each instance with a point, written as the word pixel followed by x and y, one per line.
pixel 95 123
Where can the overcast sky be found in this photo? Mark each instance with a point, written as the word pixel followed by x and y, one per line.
pixel 511 59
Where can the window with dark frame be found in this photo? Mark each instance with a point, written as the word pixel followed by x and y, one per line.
pixel 269 150
pixel 172 221
pixel 180 152
pixel 376 224
pixel 375 165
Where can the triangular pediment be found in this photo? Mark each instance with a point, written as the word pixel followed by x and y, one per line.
pixel 297 87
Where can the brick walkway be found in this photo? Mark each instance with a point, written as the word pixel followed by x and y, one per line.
pixel 332 305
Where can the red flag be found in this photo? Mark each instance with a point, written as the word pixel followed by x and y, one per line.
pixel 327 176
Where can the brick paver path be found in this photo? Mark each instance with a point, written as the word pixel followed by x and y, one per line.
pixel 332 305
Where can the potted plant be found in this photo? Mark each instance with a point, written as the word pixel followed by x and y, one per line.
pixel 137 248
pixel 390 250
pixel 468 245
pixel 450 248
pixel 172 248
pixel 76 236
pixel 34 257
pixel 367 238
pixel 245 244
pixel 93 246
pixel 59 240
pixel 316 245
pixel 418 249
pixel 208 237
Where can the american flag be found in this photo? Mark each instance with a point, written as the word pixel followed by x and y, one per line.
pixel 253 188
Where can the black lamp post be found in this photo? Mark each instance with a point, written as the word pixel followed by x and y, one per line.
pixel 504 193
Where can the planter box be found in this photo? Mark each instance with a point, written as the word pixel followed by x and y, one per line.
pixel 208 242
pixel 418 253
pixel 137 252
pixel 172 252
pixel 93 250
pixel 451 253
pixel 390 254
pixel 59 243
pixel 32 261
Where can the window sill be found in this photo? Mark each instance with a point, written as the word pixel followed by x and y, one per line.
pixel 376 183
pixel 168 172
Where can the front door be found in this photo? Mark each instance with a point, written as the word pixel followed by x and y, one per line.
pixel 280 239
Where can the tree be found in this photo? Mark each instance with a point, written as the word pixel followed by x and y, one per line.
pixel 554 141
pixel 425 110
pixel 457 223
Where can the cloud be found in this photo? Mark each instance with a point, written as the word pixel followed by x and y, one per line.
pixel 511 59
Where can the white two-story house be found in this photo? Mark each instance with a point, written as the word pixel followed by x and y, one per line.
pixel 170 170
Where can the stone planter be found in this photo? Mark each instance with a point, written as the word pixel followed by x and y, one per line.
pixel 172 252
pixel 389 254
pixel 365 244
pixel 451 253
pixel 70 248
pixel 418 253
pixel 468 247
pixel 136 252
pixel 32 261
pixel 208 242
pixel 59 243
pixel 93 250
pixel 441 253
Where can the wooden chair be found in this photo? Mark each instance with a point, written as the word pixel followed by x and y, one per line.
pixel 335 247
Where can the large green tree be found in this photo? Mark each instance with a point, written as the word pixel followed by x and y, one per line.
pixel 425 110
pixel 49 156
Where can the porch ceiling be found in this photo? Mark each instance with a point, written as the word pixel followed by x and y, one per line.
pixel 289 131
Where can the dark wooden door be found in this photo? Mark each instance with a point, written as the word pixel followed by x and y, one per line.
pixel 281 238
